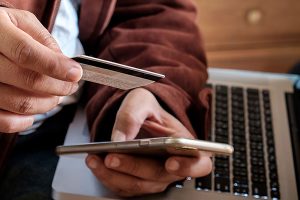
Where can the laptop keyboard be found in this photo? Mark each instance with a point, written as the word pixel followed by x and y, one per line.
pixel 243 118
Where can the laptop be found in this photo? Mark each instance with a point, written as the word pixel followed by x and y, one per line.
pixel 258 113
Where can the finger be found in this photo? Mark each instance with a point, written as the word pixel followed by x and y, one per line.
pixel 132 114
pixel 25 51
pixel 23 102
pixel 189 167
pixel 144 168
pixel 12 123
pixel 27 22
pixel 22 78
pixel 127 125
pixel 122 184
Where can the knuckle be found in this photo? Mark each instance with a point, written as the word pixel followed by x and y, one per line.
pixel 50 66
pixel 25 105
pixel 47 39
pixel 136 187
pixel 127 117
pixel 21 52
pixel 33 79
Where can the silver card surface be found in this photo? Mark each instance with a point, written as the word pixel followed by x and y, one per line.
pixel 115 74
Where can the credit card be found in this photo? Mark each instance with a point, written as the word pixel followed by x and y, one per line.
pixel 114 74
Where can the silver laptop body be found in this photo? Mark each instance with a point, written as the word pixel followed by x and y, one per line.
pixel 251 112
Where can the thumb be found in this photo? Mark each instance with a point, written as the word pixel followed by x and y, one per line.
pixel 127 126
pixel 138 105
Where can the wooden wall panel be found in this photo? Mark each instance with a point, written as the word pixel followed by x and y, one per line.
pixel 253 34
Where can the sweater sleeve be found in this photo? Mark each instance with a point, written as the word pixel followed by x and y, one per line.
pixel 160 36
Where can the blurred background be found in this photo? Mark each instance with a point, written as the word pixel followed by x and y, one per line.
pixel 261 35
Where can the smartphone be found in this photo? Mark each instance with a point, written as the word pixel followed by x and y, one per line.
pixel 161 146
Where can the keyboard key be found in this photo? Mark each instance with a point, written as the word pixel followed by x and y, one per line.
pixel 254 116
pixel 274 184
pixel 254 123
pixel 240 165
pixel 221 132
pixel 273 176
pixel 221 172
pixel 256 138
pixel 275 194
pixel 240 180
pixel 221 111
pixel 221 105
pixel 203 183
pixel 221 125
pixel 221 89
pixel 221 118
pixel 240 173
pixel 237 90
pixel 222 165
pixel 266 93
pixel 272 167
pixel 222 184
pixel 259 189
pixel 255 131
pixel 251 91
pixel 256 146
pixel 221 98
pixel 239 155
pixel 221 139
pixel 241 189
pixel 272 158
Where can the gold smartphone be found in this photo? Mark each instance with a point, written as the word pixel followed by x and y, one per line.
pixel 150 146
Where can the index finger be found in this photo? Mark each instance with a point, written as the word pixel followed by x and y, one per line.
pixel 26 52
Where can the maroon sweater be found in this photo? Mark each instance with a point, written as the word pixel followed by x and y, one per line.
pixel 156 35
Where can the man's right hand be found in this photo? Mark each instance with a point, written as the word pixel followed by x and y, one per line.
pixel 34 74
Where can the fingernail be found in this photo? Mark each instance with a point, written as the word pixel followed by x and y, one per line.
pixel 74 73
pixel 114 162
pixel 118 136
pixel 92 163
pixel 173 165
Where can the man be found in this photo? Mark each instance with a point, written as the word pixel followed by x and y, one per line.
pixel 156 35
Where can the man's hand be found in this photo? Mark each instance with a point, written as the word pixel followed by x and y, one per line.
pixel 140 115
pixel 33 71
